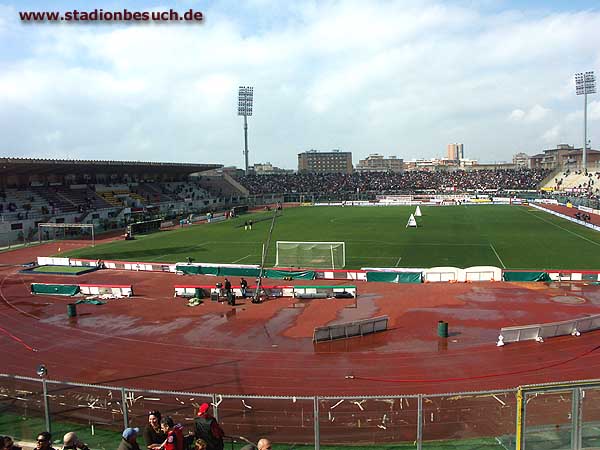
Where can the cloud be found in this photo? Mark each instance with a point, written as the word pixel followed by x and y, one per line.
pixel 392 77
pixel 552 135
pixel 535 114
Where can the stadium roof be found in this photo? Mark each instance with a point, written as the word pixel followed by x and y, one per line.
pixel 22 166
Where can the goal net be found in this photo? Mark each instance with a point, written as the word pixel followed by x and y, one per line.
pixel 65 231
pixel 319 255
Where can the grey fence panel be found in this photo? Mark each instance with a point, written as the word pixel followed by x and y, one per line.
pixel 470 421
pixel 590 418
pixel 22 407
pixel 368 421
pixel 548 421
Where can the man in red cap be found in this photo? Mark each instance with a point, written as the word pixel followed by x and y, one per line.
pixel 207 428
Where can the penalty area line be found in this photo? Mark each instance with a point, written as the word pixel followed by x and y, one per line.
pixel 398 262
pixel 497 256
pixel 241 259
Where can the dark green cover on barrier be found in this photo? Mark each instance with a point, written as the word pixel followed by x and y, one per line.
pixel 395 277
pixel 526 276
pixel 239 271
pixel 55 289
pixel 198 270
pixel 283 274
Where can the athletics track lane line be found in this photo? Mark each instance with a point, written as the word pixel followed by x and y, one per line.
pixel 476 377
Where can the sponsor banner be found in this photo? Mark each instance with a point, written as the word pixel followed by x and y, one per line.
pixel 585 209
pixel 547 201
pixel 505 200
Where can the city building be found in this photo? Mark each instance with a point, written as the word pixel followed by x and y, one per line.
pixel 268 169
pixel 565 156
pixel 440 164
pixel 377 163
pixel 521 160
pixel 455 152
pixel 334 161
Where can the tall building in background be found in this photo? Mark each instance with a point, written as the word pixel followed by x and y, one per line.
pixel 377 163
pixel 334 161
pixel 455 152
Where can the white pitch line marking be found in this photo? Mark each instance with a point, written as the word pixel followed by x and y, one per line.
pixel 497 256
pixel 398 262
pixel 241 259
pixel 562 228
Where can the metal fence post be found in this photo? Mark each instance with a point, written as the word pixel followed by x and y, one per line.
pixel 46 406
pixel 316 423
pixel 124 408
pixel 576 419
pixel 519 435
pixel 419 421
pixel 215 406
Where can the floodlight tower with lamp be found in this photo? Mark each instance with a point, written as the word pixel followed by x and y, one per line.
pixel 585 83
pixel 245 100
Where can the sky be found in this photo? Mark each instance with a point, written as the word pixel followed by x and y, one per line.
pixel 401 78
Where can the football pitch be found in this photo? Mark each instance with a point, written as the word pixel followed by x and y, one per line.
pixel 514 237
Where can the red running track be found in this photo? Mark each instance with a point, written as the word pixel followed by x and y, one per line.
pixel 154 341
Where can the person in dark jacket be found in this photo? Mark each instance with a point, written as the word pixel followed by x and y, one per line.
pixel 207 428
pixel 9 444
pixel 44 441
pixel 129 441
pixel 154 436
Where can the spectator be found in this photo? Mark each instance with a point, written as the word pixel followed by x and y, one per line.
pixel 72 442
pixel 207 428
pixel 154 436
pixel 129 441
pixel 200 444
pixel 44 441
pixel 174 440
pixel 9 444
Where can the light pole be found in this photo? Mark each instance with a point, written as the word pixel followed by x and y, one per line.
pixel 585 83
pixel 245 100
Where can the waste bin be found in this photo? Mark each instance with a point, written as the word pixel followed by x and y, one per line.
pixel 442 329
pixel 214 296
pixel 72 310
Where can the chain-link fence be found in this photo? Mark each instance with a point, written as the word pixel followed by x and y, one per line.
pixel 557 416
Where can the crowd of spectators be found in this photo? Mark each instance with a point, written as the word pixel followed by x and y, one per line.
pixel 391 182
pixel 589 188
pixel 160 433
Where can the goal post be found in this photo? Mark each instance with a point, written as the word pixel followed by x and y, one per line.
pixel 319 255
pixel 57 231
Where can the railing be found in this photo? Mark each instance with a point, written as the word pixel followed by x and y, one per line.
pixel 530 417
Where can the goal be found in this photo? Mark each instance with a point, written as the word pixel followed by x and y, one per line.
pixel 62 231
pixel 319 255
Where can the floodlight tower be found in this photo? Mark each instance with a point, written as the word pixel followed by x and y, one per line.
pixel 585 83
pixel 245 99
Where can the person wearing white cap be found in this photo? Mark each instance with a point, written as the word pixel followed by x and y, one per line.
pixel 129 441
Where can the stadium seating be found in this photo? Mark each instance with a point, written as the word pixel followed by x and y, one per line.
pixel 395 182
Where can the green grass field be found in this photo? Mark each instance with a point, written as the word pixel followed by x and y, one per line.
pixel 515 237
pixel 73 270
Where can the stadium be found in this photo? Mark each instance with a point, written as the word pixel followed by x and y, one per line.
pixel 382 311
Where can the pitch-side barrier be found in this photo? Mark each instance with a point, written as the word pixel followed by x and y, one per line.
pixel 429 275
pixel 539 332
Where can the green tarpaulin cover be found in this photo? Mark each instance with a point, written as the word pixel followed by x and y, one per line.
pixel 55 289
pixel 395 277
pixel 219 271
pixel 283 274
pixel 526 276
pixel 90 302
